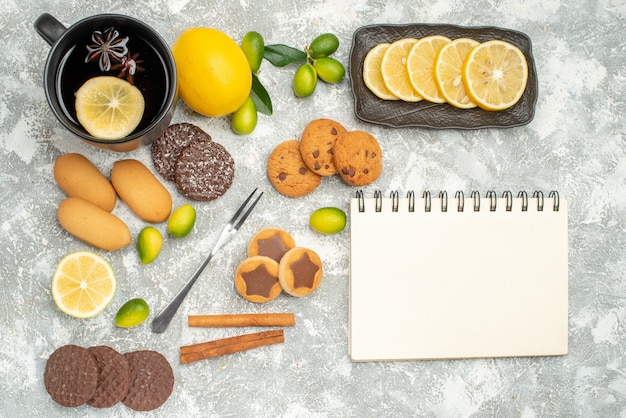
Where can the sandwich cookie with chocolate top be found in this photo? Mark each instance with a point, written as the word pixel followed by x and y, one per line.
pixel 256 279
pixel 300 271
pixel 272 243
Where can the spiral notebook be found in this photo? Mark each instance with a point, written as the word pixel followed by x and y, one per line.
pixel 460 276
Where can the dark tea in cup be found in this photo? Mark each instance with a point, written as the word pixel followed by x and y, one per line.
pixel 110 45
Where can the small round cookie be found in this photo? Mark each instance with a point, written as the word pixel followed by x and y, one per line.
pixel 317 144
pixel 271 242
pixel 71 375
pixel 204 170
pixel 287 171
pixel 256 279
pixel 113 377
pixel 358 158
pixel 300 271
pixel 167 147
pixel 151 380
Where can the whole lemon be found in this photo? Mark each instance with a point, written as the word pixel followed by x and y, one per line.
pixel 214 76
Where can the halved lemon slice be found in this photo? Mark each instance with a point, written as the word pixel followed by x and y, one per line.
pixel 372 75
pixel 394 71
pixel 448 67
pixel 420 64
pixel 109 107
pixel 495 74
pixel 83 284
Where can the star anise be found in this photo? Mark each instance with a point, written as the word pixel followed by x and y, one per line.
pixel 128 67
pixel 107 47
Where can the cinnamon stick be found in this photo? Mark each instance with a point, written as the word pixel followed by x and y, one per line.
pixel 243 320
pixel 216 348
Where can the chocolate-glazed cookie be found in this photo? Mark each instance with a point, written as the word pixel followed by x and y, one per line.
pixel 167 147
pixel 113 377
pixel 204 170
pixel 71 375
pixel 358 158
pixel 151 380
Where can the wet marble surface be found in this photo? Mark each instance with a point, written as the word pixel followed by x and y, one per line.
pixel 575 144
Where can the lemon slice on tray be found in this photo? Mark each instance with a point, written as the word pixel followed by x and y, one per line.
pixel 109 107
pixel 372 75
pixel 83 284
pixel 448 68
pixel 495 75
pixel 420 65
pixel 394 70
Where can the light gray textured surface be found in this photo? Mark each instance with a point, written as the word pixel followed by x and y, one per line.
pixel 575 144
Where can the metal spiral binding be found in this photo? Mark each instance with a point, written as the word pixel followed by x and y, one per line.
pixel 395 201
pixel 426 201
pixel 460 198
pixel 378 196
pixel 539 196
pixel 493 200
pixel 508 196
pixel 411 196
pixel 361 201
pixel 443 196
pixel 476 196
pixel 524 196
pixel 556 202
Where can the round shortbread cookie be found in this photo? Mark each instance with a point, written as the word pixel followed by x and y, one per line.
pixel 300 271
pixel 271 242
pixel 167 147
pixel 113 377
pixel 204 170
pixel 256 279
pixel 317 145
pixel 358 158
pixel 71 375
pixel 151 380
pixel 288 173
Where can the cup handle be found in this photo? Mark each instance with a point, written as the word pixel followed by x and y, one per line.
pixel 49 28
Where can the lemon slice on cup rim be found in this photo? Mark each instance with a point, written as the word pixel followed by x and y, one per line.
pixel 108 107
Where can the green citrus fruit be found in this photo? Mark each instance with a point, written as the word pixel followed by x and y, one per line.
pixel 253 46
pixel 304 80
pixel 329 69
pixel 244 119
pixel 149 244
pixel 328 220
pixel 323 45
pixel 132 313
pixel 181 221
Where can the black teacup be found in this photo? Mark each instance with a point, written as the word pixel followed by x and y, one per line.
pixel 109 44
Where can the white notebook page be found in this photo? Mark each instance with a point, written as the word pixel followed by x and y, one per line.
pixel 442 285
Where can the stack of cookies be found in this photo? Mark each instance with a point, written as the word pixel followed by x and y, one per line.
pixel 101 377
pixel 201 168
pixel 274 264
pixel 295 168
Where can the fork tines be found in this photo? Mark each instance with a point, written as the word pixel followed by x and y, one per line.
pixel 247 212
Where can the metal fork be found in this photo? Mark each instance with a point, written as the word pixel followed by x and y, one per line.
pixel 163 319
